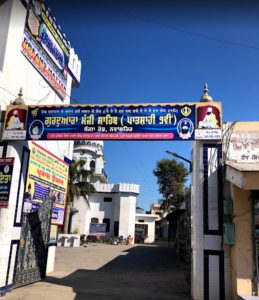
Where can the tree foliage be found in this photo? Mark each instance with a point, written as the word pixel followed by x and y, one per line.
pixel 171 179
pixel 78 181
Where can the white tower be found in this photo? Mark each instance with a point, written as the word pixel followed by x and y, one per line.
pixel 92 153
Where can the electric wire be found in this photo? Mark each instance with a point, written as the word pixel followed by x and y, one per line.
pixel 37 100
pixel 188 32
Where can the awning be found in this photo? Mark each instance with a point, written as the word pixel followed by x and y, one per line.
pixel 243 175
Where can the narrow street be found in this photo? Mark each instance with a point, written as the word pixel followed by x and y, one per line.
pixel 101 271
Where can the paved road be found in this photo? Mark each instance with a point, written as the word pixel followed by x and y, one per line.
pixel 110 272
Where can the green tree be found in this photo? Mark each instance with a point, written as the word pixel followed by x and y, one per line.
pixel 78 185
pixel 171 179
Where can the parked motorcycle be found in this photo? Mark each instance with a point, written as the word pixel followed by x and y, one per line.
pixel 117 240
pixel 114 240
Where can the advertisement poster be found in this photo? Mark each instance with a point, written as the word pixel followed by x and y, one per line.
pixel 6 171
pixel 112 122
pixel 47 177
pixel 45 46
pixel 208 121
pixel 15 123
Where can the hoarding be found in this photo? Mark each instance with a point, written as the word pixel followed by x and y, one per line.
pixel 47 177
pixel 45 46
pixel 6 171
pixel 172 121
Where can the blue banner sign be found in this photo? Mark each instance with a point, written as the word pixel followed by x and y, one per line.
pixel 111 122
pixel 98 229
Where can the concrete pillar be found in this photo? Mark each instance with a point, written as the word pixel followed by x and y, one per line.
pixel 206 210
pixel 127 215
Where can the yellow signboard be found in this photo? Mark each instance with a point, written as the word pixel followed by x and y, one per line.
pixel 47 177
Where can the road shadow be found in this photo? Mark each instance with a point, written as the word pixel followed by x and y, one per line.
pixel 142 272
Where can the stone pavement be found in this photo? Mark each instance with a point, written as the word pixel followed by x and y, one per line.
pixel 110 272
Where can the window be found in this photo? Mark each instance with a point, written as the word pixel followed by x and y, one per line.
pixel 107 222
pixel 107 199
pixel 95 220
pixel 116 228
pixel 92 165
pixel 141 221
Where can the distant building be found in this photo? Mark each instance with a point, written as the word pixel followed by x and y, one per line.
pixel 112 204
pixel 146 223
pixel 155 209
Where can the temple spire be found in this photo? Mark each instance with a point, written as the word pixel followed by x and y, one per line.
pixel 206 97
pixel 19 100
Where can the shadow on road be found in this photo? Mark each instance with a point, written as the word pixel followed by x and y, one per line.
pixel 142 272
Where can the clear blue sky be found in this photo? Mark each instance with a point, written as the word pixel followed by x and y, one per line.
pixel 162 51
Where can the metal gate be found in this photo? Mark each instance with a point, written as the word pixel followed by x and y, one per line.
pixel 33 248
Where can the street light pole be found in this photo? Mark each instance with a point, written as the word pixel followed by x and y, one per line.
pixel 181 157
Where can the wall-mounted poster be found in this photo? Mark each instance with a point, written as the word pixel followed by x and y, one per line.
pixel 53 235
pixel 97 229
pixel 208 121
pixel 15 123
pixel 243 147
pixel 47 177
pixel 6 172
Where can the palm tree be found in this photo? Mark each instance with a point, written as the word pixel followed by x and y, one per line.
pixel 78 185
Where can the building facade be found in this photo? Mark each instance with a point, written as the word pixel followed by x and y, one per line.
pixel 25 66
pixel 241 198
pixel 224 214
